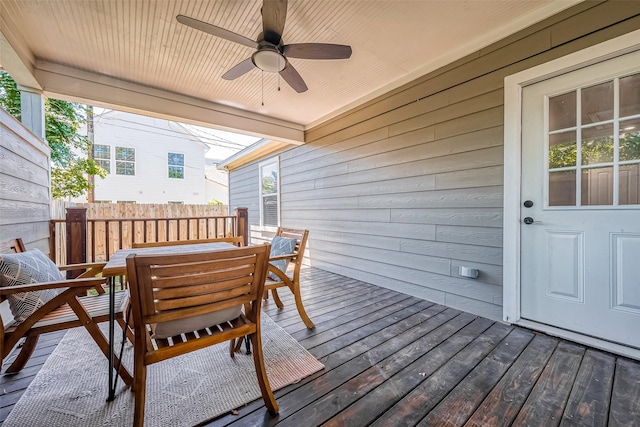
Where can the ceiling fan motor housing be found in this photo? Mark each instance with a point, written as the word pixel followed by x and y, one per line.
pixel 268 58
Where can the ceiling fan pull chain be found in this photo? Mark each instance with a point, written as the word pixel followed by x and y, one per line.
pixel 262 79
pixel 279 74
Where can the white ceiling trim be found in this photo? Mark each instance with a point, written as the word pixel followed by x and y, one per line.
pixel 81 86
pixel 16 56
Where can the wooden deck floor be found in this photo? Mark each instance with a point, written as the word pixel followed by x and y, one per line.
pixel 395 360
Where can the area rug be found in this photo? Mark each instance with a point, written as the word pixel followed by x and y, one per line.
pixel 71 388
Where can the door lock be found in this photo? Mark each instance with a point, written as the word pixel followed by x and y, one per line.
pixel 528 203
pixel 528 220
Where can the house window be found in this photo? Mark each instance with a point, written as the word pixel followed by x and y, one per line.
pixel 125 161
pixel 176 165
pixel 270 193
pixel 102 156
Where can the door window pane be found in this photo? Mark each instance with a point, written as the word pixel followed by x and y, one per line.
pixel 597 103
pixel 597 144
pixel 562 111
pixel 630 140
pixel 562 188
pixel 562 149
pixel 630 95
pixel 597 186
pixel 629 184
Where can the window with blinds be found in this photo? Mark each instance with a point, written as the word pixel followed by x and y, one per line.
pixel 270 193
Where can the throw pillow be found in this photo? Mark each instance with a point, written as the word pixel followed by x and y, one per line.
pixel 281 246
pixel 24 268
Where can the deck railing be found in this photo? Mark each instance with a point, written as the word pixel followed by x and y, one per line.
pixel 96 239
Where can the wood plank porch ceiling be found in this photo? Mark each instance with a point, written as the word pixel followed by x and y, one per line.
pixel 139 46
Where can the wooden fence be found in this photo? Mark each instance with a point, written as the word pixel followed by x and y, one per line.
pixel 93 232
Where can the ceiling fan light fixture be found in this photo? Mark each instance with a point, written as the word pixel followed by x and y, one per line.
pixel 269 60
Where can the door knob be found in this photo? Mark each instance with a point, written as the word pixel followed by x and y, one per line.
pixel 528 220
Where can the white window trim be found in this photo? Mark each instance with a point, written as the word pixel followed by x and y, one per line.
pixel 275 160
pixel 512 169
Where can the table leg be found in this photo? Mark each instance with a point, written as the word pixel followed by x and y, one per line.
pixel 112 311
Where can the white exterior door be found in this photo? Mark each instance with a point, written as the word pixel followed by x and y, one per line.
pixel 580 201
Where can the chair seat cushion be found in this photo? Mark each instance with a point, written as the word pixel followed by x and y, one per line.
pixel 25 268
pixel 281 246
pixel 172 328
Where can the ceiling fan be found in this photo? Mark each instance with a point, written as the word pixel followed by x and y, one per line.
pixel 271 53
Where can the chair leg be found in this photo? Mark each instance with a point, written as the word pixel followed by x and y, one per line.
pixel 125 327
pixel 276 298
pixel 25 353
pixel 261 372
pixel 232 348
pixel 139 391
pixel 301 311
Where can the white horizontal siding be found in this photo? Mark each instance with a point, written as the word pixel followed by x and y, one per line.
pixel 24 185
pixel 404 190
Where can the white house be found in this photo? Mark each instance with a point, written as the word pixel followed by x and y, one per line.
pixel 216 182
pixel 148 160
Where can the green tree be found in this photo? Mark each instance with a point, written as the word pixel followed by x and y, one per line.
pixel 596 150
pixel 70 166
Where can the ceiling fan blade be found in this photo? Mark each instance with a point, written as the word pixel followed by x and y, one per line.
pixel 239 69
pixel 317 51
pixel 216 31
pixel 274 15
pixel 293 78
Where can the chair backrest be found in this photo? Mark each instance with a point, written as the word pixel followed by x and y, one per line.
pixel 237 241
pixel 12 246
pixel 301 244
pixel 173 287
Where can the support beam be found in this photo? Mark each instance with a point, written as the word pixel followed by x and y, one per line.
pixel 32 110
pixel 64 82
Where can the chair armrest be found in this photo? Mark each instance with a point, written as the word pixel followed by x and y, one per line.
pixel 275 270
pixel 83 266
pixel 71 283
pixel 281 257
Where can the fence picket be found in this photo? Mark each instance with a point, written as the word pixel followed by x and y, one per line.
pixel 113 226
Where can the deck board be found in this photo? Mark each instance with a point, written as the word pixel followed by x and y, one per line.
pixel 393 359
pixel 591 393
pixel 546 402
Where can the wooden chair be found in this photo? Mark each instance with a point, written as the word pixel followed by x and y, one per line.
pixel 237 241
pixel 186 302
pixel 69 309
pixel 291 281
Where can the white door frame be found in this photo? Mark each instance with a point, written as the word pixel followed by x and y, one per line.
pixel 512 176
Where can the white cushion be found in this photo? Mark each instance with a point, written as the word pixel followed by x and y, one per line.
pixel 190 324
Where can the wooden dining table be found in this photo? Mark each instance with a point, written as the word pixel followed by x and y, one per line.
pixel 117 266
